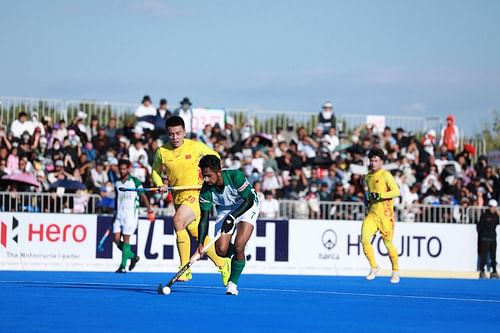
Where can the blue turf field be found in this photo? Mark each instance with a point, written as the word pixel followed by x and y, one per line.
pixel 108 302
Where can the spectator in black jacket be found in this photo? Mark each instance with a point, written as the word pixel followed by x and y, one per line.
pixel 487 239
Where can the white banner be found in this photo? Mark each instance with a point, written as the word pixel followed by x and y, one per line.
pixel 334 247
pixel 204 116
pixel 47 241
pixel 30 241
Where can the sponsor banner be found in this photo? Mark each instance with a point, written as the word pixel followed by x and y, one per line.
pixel 204 116
pixel 334 247
pixel 47 241
pixel 85 243
pixel 31 241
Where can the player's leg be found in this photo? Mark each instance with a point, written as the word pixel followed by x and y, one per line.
pixel 223 264
pixel 386 227
pixel 117 239
pixel 183 216
pixel 243 233
pixel 244 229
pixel 368 230
pixel 130 222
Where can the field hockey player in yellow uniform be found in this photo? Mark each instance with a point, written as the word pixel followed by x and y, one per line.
pixel 380 218
pixel 179 159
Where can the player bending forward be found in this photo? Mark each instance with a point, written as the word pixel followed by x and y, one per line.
pixel 382 189
pixel 237 207
pixel 127 214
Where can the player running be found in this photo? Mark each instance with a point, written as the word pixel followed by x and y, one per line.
pixel 237 206
pixel 127 214
pixel 179 159
pixel 382 189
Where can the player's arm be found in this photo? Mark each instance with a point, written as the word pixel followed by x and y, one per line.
pixel 205 208
pixel 393 188
pixel 157 169
pixel 245 191
pixel 145 201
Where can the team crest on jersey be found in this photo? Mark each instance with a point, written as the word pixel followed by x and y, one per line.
pixel 188 157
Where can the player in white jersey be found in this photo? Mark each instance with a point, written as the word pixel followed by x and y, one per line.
pixel 237 206
pixel 127 214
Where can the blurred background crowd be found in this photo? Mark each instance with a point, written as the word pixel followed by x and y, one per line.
pixel 81 156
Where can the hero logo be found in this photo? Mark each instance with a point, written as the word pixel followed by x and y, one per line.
pixel 57 233
pixel 4 232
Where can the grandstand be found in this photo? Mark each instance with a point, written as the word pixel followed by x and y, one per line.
pixel 93 135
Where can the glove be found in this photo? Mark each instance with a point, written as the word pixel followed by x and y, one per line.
pixel 228 224
pixel 375 196
pixel 151 216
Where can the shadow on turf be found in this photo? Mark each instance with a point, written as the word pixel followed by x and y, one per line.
pixel 144 290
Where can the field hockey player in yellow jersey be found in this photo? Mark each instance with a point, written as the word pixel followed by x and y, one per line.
pixel 382 190
pixel 179 159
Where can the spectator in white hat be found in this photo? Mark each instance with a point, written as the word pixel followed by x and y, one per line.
pixel 327 117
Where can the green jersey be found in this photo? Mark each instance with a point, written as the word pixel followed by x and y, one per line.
pixel 236 190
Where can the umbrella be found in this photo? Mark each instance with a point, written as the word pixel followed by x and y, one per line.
pixel 264 139
pixel 69 185
pixel 21 178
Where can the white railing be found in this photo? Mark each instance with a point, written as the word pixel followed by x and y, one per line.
pixel 49 202
pixel 289 209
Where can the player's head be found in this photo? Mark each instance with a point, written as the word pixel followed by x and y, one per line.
pixel 176 130
pixel 123 168
pixel 210 169
pixel 376 156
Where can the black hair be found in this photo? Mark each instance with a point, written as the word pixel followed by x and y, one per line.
pixel 377 152
pixel 124 162
pixel 210 161
pixel 174 121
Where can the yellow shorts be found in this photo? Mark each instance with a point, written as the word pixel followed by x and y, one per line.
pixel 190 199
pixel 374 223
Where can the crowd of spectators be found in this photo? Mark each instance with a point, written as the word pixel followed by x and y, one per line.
pixel 290 163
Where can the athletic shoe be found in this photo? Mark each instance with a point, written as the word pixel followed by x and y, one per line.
pixel 121 269
pixel 482 275
pixel 225 271
pixel 187 276
pixel 133 262
pixel 232 289
pixel 494 275
pixel 395 277
pixel 373 273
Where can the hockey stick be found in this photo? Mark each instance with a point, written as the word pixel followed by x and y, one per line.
pixel 184 268
pixel 157 189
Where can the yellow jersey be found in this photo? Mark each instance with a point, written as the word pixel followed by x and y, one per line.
pixel 382 182
pixel 180 164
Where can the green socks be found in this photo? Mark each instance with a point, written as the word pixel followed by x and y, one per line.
pixel 236 269
pixel 126 253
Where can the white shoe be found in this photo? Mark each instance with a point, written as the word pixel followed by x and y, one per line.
pixel 395 277
pixel 232 289
pixel 373 273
